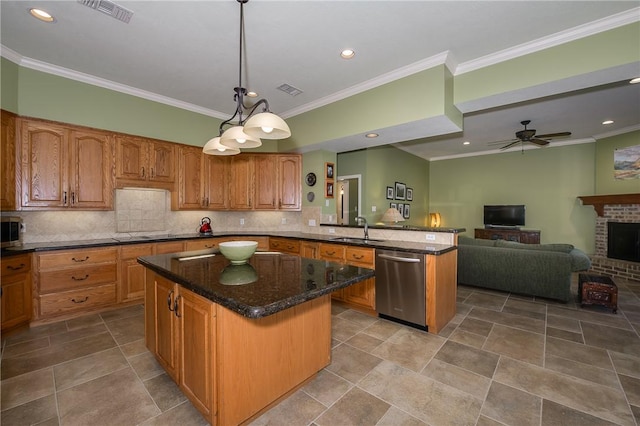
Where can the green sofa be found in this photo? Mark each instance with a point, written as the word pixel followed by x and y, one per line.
pixel 542 270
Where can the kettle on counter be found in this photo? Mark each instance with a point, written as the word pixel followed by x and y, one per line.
pixel 205 226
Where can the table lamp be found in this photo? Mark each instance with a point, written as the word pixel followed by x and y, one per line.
pixel 392 216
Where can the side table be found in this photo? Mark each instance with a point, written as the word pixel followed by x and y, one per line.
pixel 598 290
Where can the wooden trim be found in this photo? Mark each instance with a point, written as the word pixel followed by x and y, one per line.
pixel 441 289
pixel 599 201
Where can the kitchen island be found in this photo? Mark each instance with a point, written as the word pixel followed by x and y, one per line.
pixel 237 338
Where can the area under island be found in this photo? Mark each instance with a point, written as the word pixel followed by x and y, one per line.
pixel 237 338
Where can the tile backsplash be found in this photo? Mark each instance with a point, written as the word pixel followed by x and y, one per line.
pixel 141 210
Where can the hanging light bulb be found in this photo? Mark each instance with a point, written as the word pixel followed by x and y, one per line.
pixel 214 147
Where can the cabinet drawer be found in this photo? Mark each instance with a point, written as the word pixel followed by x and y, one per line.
pixel 170 247
pixel 76 258
pixel 15 265
pixel 285 245
pixel 332 252
pixel 360 256
pixel 209 243
pixel 132 252
pixel 64 279
pixel 69 301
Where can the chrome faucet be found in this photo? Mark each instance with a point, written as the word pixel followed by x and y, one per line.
pixel 366 226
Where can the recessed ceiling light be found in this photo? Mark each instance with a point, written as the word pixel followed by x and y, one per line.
pixel 607 122
pixel 635 80
pixel 371 135
pixel 41 15
pixel 466 143
pixel 252 94
pixel 347 53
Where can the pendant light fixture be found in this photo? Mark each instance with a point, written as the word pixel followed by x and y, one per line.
pixel 250 127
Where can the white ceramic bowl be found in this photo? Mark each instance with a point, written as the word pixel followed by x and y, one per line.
pixel 238 252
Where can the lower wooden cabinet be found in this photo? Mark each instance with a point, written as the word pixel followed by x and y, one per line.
pixel 181 333
pixel 132 274
pixel 285 245
pixel 16 290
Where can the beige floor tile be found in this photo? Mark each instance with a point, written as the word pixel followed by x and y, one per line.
pixel 24 334
pixel 117 314
pixel 351 364
pixel 357 407
pixel 609 319
pixel 396 417
pixel 624 341
pixel 115 399
pixel 364 342
pixel 145 365
pixel 486 421
pixel 420 396
pixel 25 347
pixel 459 378
pixel 53 355
pixel 298 409
pixel 26 387
pixel 636 413
pixel 512 406
pixel 327 387
pixel 511 320
pixel 410 349
pixel 466 338
pixel 587 372
pixel 184 414
pixel 476 326
pixel 564 323
pixel 472 359
pixel 585 354
pixel 343 330
pixel 31 413
pixel 359 318
pixel 134 348
pixel 382 329
pixel 556 414
pixel 631 386
pixel 80 370
pixel 128 329
pixel 565 335
pixel 518 344
pixel 526 309
pixel 78 333
pixel 84 321
pixel 626 364
pixel 487 301
pixel 597 400
pixel 165 392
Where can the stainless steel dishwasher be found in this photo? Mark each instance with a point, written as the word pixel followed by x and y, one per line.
pixel 401 286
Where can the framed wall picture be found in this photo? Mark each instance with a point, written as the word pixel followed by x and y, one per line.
pixel 401 190
pixel 329 170
pixel 393 206
pixel 390 193
pixel 401 209
pixel 328 192
pixel 409 194
pixel 407 211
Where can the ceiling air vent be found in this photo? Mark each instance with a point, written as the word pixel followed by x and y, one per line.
pixel 109 8
pixel 293 91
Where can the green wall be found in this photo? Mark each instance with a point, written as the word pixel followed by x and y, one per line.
pixel 8 85
pixel 547 181
pixel 313 162
pixel 605 182
pixel 384 166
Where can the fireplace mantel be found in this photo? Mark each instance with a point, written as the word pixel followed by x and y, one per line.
pixel 599 201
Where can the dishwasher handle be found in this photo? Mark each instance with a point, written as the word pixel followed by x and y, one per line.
pixel 399 259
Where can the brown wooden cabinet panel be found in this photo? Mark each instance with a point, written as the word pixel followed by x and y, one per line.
pixel 166 349
pixel 16 290
pixel 266 178
pixel 92 174
pixel 145 162
pixel 44 157
pixel 309 249
pixel 290 182
pixel 216 178
pixel 241 182
pixel 286 245
pixel 132 274
pixel 131 158
pixel 162 158
pixel 190 180
pixel 8 161
pixel 518 235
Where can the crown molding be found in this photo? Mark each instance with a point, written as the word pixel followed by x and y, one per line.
pixel 101 82
pixel 576 33
pixel 617 132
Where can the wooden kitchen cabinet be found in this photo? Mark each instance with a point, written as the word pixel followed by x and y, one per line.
pixel 75 281
pixel 64 167
pixel 203 181
pixel 289 182
pixel 309 249
pixel 182 336
pixel 145 162
pixel 8 161
pixel 265 181
pixel 285 245
pixel 216 182
pixel 241 182
pixel 132 274
pixel 16 290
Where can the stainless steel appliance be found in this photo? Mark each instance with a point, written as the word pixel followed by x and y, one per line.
pixel 401 287
pixel 10 227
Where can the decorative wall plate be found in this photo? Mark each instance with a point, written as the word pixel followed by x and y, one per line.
pixel 311 196
pixel 310 179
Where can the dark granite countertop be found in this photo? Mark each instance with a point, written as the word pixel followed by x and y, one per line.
pixel 408 246
pixel 275 281
pixel 401 227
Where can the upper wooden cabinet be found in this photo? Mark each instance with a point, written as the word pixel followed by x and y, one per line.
pixel 202 181
pixel 289 182
pixel 8 161
pixel 63 167
pixel 145 162
pixel 241 182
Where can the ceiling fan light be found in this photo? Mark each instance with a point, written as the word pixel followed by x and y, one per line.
pixel 213 147
pixel 266 125
pixel 236 138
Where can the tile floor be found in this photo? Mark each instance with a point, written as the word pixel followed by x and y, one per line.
pixel 503 360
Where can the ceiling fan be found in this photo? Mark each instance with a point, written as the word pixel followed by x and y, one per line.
pixel 529 135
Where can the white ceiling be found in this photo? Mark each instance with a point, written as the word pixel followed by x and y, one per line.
pixel 185 53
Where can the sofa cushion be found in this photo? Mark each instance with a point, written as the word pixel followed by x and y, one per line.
pixel 468 241
pixel 559 247
pixel 579 261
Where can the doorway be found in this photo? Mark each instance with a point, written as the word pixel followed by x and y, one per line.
pixel 348 199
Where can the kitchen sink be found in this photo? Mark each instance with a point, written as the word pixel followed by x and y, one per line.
pixel 355 240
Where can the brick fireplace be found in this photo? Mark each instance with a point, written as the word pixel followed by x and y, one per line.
pixel 615 208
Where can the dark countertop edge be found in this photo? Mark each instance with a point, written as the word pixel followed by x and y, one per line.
pixel 400 228
pixel 255 312
pixel 408 246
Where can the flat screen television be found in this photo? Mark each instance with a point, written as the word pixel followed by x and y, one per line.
pixel 505 215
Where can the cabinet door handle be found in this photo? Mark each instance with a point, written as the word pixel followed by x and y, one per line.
pixel 16 268
pixel 176 306
pixel 358 257
pixel 73 197
pixel 169 300
pixel 64 198
pixel 80 301
pixel 207 201
pixel 152 173
pixel 142 172
pixel 331 253
pixel 80 260
pixel 80 279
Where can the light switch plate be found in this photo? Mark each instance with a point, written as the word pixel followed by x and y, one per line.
pixel 431 237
